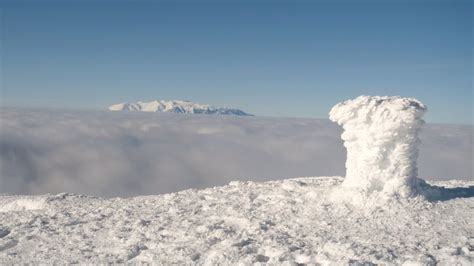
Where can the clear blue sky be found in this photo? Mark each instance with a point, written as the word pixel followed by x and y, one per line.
pixel 266 57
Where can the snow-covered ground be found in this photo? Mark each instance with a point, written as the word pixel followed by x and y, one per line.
pixel 278 222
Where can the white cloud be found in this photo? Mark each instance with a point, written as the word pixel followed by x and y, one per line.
pixel 124 154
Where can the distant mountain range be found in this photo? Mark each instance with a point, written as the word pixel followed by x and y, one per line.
pixel 180 107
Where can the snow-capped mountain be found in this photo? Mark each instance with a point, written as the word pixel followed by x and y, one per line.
pixel 181 107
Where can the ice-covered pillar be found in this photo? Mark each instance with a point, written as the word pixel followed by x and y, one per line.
pixel 381 138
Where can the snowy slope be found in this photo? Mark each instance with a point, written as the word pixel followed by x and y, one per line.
pixel 180 107
pixel 289 221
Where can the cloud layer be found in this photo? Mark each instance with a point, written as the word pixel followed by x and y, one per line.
pixel 125 154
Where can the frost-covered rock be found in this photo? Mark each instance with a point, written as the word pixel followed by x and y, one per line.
pixel 381 137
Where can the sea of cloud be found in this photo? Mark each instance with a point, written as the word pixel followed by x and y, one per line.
pixel 124 154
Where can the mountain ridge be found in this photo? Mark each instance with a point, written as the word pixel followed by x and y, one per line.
pixel 176 106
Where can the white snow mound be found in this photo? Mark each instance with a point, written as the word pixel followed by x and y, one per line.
pixel 381 138
pixel 279 223
pixel 13 203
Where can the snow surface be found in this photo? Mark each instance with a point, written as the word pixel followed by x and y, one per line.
pixel 177 106
pixel 279 222
pixel 381 137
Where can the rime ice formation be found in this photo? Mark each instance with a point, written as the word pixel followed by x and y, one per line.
pixel 180 107
pixel 381 137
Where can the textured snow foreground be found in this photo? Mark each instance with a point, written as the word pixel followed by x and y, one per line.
pixel 278 222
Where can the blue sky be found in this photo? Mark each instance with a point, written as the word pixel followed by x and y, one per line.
pixel 293 59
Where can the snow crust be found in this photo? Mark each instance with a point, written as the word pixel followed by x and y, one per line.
pixel 381 138
pixel 21 203
pixel 177 106
pixel 284 222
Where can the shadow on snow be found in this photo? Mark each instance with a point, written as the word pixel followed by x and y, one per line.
pixel 437 193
